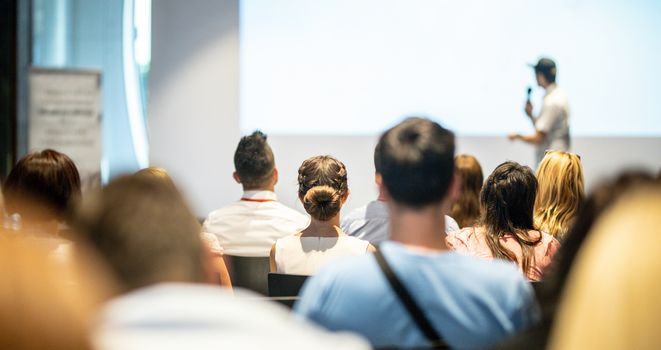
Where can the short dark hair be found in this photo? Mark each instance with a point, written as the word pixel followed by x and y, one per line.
pixel 42 186
pixel 416 160
pixel 253 160
pixel 549 75
pixel 547 68
pixel 377 157
pixel 144 231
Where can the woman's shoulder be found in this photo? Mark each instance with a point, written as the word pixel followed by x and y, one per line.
pixel 465 233
pixel 461 239
pixel 546 238
pixel 353 240
pixel 294 237
pixel 547 242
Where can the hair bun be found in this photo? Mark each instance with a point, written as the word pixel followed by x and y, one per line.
pixel 322 202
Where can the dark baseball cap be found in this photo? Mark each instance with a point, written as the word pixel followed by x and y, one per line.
pixel 545 66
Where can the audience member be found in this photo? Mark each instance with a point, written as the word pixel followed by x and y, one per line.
pixel 46 305
pixel 250 226
pixel 507 231
pixel 323 189
pixel 560 194
pixel 38 193
pixel 611 300
pixel 150 239
pixel 371 222
pixel 550 290
pixel 214 250
pixel 466 210
pixel 467 302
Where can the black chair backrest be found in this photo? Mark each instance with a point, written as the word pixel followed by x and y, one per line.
pixel 249 272
pixel 282 285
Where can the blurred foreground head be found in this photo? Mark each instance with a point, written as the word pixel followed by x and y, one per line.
pixel 46 305
pixel 611 300
pixel 144 231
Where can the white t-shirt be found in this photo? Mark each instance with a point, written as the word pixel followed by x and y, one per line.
pixel 371 223
pixel 211 241
pixel 250 226
pixel 196 316
pixel 295 255
pixel 553 120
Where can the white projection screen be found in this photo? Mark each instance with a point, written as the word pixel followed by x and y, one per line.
pixel 355 67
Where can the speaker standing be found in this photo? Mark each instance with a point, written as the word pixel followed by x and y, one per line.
pixel 552 123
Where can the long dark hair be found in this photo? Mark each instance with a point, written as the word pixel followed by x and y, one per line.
pixel 508 200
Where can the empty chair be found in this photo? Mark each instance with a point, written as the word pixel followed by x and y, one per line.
pixel 285 286
pixel 248 272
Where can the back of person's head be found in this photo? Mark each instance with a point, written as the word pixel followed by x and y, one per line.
pixel 560 193
pixel 45 305
pixel 144 231
pixel 507 200
pixel 611 300
pixel 466 210
pixel 42 186
pixel 254 161
pixel 600 198
pixel 546 67
pixel 154 172
pixel 416 162
pixel 157 174
pixel 322 186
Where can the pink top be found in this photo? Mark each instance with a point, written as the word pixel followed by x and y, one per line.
pixel 472 240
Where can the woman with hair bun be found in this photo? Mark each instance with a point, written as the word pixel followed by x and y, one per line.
pixel 323 189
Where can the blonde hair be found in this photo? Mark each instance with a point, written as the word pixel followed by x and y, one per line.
pixel 47 304
pixel 155 171
pixel 560 192
pixel 612 296
pixel 466 210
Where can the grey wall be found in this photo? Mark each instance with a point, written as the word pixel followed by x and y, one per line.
pixel 193 100
pixel 601 158
pixel 194 118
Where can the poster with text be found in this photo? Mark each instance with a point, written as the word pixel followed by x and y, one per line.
pixel 65 115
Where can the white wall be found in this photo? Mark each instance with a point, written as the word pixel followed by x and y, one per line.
pixel 193 97
pixel 194 118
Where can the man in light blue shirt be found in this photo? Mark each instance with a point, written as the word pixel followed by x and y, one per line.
pixel 471 303
pixel 371 222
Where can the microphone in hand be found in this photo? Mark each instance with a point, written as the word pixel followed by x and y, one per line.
pixel 529 92
pixel 528 107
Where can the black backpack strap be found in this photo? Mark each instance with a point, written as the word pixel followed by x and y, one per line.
pixel 412 307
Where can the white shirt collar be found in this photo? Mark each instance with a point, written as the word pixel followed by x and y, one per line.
pixel 260 195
